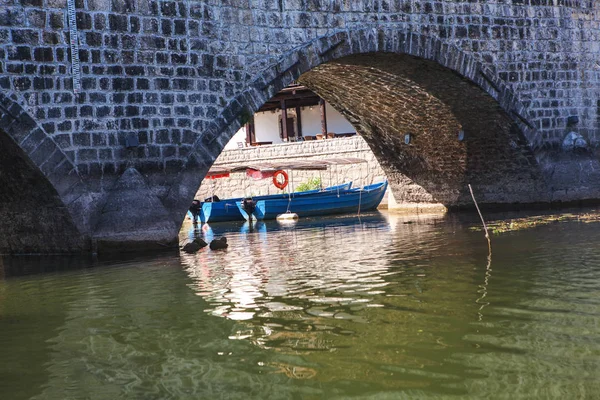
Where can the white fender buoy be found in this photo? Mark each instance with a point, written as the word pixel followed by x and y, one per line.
pixel 287 217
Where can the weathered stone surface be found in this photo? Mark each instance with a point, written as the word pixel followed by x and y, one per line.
pixel 432 105
pixel 524 50
pixel 574 142
pixel 33 217
pixel 134 215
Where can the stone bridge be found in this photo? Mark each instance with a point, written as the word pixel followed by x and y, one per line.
pixel 107 144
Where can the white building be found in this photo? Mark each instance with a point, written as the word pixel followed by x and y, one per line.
pixel 308 118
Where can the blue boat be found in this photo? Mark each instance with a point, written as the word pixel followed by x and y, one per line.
pixel 220 211
pixel 227 210
pixel 333 202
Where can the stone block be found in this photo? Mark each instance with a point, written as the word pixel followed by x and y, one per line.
pixel 33 140
pixel 19 53
pixel 84 20
pixel 118 23
pixel 87 155
pixel 25 36
pixel 123 84
pixel 55 112
pixel 21 128
pixel 64 126
pixel 52 162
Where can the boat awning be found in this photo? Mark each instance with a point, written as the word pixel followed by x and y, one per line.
pixel 343 161
pixel 217 172
pixel 269 167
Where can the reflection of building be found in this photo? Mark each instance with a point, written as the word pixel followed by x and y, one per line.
pixel 307 117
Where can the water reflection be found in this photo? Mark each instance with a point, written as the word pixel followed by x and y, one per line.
pixel 296 287
pixel 414 300
pixel 278 272
pixel 382 306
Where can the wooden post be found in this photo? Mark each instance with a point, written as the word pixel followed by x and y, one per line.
pixel 284 121
pixel 299 123
pixel 323 118
pixel 250 134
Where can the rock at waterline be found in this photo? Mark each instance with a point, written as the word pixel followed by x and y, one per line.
pixel 574 141
pixel 219 244
pixel 192 246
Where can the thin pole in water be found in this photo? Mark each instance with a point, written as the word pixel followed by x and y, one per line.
pixel 487 235
pixel 488 267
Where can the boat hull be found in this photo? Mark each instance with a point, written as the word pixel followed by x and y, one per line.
pixel 325 203
pixel 227 209
pixel 221 211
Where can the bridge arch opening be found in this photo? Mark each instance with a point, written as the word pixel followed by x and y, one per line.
pixel 433 130
pixel 481 136
pixel 315 134
pixel 33 217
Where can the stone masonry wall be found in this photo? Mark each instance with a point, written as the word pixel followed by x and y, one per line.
pixel 165 70
pixel 177 78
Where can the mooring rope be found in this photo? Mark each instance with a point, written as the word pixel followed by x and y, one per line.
pixel 290 193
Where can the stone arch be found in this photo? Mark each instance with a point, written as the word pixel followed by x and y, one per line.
pixel 39 199
pixel 432 131
pixel 377 40
pixel 361 41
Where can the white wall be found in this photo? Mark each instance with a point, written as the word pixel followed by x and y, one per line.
pixel 239 137
pixel 336 123
pixel 266 125
pixel 311 121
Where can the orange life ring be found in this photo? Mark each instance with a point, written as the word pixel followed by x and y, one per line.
pixel 280 185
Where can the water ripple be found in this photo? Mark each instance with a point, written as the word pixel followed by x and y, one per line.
pixel 370 308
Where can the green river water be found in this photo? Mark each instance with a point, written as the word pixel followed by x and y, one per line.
pixel 381 307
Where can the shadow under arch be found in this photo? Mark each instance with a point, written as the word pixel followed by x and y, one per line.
pixel 522 137
pixel 38 185
pixel 433 131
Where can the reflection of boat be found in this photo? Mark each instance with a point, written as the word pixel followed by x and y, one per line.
pixel 339 202
pixel 258 226
pixel 227 210
pixel 372 218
